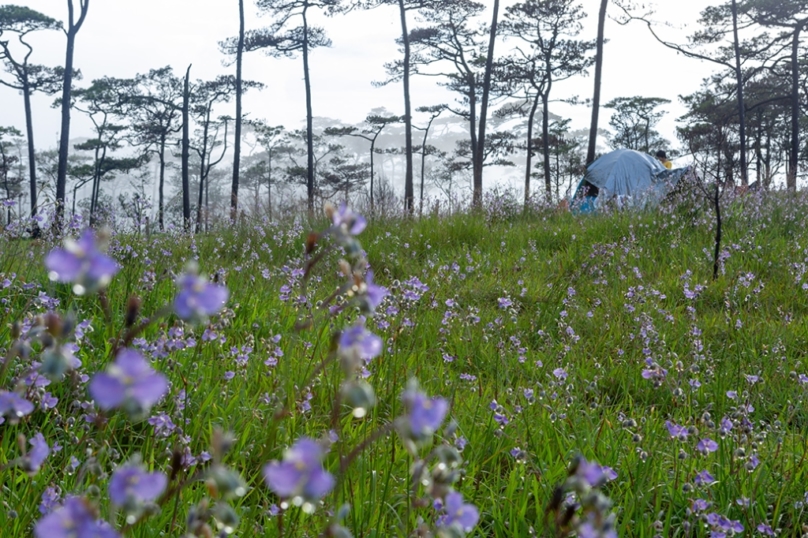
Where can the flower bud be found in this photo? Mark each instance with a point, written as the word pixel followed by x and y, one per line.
pixel 226 517
pixel 132 311
pixel 360 396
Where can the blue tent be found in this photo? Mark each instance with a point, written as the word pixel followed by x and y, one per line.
pixel 630 178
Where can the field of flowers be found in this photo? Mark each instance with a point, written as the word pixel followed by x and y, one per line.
pixel 494 373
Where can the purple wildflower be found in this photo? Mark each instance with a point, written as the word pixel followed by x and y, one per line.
pixel 504 302
pixel 594 474
pixel 370 294
pixel 348 222
pixel 37 455
pixel 130 382
pixel 50 499
pixel 198 298
pixel 676 431
pixel 357 344
pixel 81 263
pixel 765 529
pixel 75 519
pixel 300 476
pixel 424 414
pixel 13 406
pixel 704 478
pixel 458 514
pixel 132 484
pixel 706 446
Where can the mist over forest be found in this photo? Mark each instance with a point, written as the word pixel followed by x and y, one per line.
pixel 164 145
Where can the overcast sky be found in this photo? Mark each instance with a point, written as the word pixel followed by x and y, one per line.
pixel 123 37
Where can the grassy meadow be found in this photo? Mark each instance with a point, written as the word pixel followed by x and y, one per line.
pixel 551 335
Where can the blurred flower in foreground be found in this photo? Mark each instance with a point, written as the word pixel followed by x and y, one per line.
pixel 130 383
pixel 300 476
pixel 74 519
pixel 345 220
pixel 39 452
pixel 357 345
pixel 198 298
pixel 81 263
pixel 131 485
pixel 459 515
pixel 14 406
pixel 424 414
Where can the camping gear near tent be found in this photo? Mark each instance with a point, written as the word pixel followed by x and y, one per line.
pixel 629 178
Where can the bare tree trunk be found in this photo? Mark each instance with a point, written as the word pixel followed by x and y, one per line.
pixel 529 158
pixel 545 137
pixel 64 137
pixel 29 129
pixel 791 176
pixel 237 148
pixel 309 119
pixel 409 190
pixel 739 82
pixel 593 126
pixel 186 194
pixel 477 196
pixel 161 201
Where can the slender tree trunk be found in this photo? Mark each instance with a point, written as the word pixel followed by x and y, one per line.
pixel 372 147
pixel 409 193
pixel 64 136
pixel 203 176
pixel 161 201
pixel 739 82
pixel 29 129
pixel 423 169
pixel 477 197
pixel 186 194
pixel 529 158
pixel 309 118
pixel 791 176
pixel 269 182
pixel 593 126
pixel 545 142
pixel 237 148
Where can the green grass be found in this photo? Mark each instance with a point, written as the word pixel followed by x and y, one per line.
pixel 595 296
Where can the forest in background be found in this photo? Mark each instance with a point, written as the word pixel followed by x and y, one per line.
pixel 174 149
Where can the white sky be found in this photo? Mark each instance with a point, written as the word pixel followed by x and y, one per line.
pixel 123 37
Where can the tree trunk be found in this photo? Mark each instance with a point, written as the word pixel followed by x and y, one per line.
pixel 739 82
pixel 202 174
pixel 593 126
pixel 309 119
pixel 64 137
pixel 545 142
pixel 791 176
pixel 477 197
pixel 237 148
pixel 186 194
pixel 29 128
pixel 423 167
pixel 529 158
pixel 409 191
pixel 372 147
pixel 161 202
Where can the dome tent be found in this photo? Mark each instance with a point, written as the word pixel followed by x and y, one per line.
pixel 630 178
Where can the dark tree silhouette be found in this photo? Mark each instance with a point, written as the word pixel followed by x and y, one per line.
pixel 593 126
pixel 74 24
pixel 27 78
pixel 793 16
pixel 451 40
pixel 548 28
pixel 291 33
pixel 375 126
pixel 155 108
